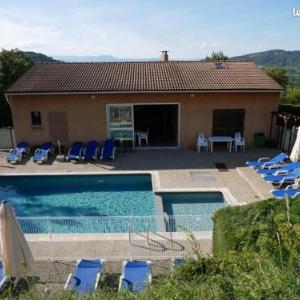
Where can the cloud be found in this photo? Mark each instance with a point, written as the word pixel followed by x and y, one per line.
pixel 26 36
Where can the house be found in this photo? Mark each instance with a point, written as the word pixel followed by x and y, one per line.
pixel 172 100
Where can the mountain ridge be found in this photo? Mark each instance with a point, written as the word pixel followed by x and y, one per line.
pixel 275 57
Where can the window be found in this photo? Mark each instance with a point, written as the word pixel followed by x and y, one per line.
pixel 36 119
pixel 120 124
pixel 228 121
pixel 219 65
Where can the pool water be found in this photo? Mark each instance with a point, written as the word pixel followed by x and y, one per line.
pixel 79 196
pixel 201 204
pixel 103 204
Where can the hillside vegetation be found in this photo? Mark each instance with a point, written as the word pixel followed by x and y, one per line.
pixel 277 58
pixel 256 256
pixel 38 57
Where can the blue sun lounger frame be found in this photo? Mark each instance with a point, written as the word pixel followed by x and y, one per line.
pixel 279 169
pixel 16 155
pixel 266 162
pixel 279 180
pixel 42 154
pixel 3 278
pixel 76 152
pixel 108 150
pixel 91 151
pixel 136 275
pixel 85 278
pixel 288 192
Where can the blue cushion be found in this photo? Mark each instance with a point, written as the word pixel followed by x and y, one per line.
pixel 91 148
pixel 136 274
pixel 84 278
pixel 285 193
pixel 108 149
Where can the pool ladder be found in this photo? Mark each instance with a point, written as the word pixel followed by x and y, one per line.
pixel 166 220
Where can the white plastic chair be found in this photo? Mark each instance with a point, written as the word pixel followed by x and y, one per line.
pixel 143 135
pixel 202 142
pixel 239 141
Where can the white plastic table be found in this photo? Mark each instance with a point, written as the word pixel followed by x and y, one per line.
pixel 220 139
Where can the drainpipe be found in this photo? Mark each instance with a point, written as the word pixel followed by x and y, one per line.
pixel 11 128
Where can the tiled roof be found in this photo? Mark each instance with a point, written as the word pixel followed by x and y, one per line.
pixel 142 76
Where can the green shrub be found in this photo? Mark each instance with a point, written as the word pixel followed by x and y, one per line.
pixel 237 227
pixel 291 95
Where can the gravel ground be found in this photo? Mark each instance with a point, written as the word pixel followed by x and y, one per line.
pixel 52 275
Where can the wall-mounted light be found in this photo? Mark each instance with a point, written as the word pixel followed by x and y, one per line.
pixel 192 96
pixel 93 97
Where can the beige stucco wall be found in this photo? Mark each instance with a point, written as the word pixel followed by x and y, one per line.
pixel 87 115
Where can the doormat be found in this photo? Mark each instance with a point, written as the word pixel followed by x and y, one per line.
pixel 221 167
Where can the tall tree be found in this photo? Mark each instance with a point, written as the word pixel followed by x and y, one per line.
pixel 216 56
pixel 278 74
pixel 13 63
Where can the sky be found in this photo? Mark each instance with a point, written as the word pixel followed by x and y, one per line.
pixel 142 28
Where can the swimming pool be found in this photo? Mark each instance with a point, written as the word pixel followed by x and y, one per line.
pixel 183 205
pixel 104 204
pixel 112 197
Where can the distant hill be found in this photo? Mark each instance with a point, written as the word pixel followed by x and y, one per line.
pixel 86 58
pixel 98 58
pixel 38 57
pixel 278 58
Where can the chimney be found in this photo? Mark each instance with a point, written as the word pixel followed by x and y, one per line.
pixel 164 55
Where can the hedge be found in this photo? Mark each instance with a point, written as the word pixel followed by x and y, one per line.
pixel 236 227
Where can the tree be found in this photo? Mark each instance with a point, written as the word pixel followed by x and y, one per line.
pixel 278 74
pixel 291 96
pixel 13 63
pixel 216 56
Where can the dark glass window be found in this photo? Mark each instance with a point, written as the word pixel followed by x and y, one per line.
pixel 228 121
pixel 36 119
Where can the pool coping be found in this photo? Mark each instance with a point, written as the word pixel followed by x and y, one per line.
pixel 70 237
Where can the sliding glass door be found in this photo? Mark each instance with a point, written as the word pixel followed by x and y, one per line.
pixel 120 123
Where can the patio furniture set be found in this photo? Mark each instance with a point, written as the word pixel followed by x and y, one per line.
pixel 282 173
pixel 208 143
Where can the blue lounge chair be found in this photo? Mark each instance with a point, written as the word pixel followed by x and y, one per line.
pixel 86 277
pixel 108 150
pixel 178 261
pixel 16 155
pixel 136 275
pixel 92 151
pixel 42 154
pixel 279 180
pixel 3 279
pixel 279 169
pixel 76 152
pixel 265 162
pixel 291 193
